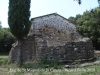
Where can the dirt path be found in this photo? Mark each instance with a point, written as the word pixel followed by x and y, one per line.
pixel 97 61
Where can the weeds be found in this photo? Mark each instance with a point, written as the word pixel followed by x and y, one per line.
pixel 45 63
pixel 19 73
pixel 46 67
pixel 3 61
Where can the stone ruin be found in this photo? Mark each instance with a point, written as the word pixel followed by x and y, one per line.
pixel 53 36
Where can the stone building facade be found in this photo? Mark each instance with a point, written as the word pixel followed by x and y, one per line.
pixel 53 36
pixel 52 20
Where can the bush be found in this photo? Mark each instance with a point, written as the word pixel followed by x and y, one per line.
pixel 45 63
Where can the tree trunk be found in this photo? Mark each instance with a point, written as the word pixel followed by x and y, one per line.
pixel 19 56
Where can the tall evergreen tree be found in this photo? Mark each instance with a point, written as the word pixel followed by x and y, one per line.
pixel 18 20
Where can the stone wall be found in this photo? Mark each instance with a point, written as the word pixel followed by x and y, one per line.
pixel 53 20
pixel 70 51
pixel 36 47
pixel 53 36
pixel 28 50
pixel 97 54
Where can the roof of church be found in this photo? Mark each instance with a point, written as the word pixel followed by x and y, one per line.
pixel 49 15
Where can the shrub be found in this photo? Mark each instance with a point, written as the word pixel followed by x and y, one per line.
pixel 44 63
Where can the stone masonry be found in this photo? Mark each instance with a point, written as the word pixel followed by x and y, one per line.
pixel 53 36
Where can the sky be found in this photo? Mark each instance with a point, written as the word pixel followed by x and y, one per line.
pixel 65 8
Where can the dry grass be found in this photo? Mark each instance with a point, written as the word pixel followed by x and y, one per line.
pixel 14 70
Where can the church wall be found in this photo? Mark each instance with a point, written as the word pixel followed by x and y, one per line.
pixel 52 20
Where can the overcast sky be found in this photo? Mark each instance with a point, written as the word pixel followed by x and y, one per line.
pixel 66 8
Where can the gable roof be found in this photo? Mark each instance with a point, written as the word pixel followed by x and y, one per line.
pixel 52 14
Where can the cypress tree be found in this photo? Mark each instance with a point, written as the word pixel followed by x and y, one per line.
pixel 18 20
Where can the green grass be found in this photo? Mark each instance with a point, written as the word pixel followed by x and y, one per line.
pixel 6 56
pixel 3 60
pixel 29 69
pixel 3 55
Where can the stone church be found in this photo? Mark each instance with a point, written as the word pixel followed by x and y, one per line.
pixel 53 36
